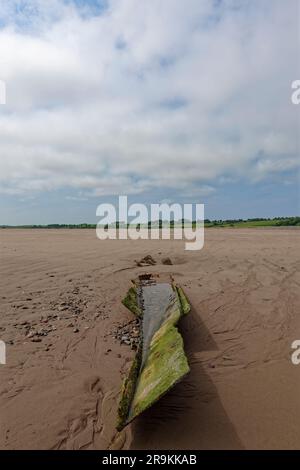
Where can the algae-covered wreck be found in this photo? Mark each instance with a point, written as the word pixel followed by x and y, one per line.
pixel 160 361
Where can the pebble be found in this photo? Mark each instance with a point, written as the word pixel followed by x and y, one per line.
pixel 30 334
pixel 62 308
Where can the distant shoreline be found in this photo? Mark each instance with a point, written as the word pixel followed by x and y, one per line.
pixel 232 223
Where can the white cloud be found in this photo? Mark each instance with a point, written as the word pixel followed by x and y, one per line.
pixel 148 94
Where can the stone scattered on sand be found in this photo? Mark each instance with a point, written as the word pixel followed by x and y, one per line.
pixel 146 261
pixel 62 308
pixel 167 261
pixel 102 315
pixel 31 334
pixel 61 312
pixel 135 333
pixel 70 304
pixel 128 333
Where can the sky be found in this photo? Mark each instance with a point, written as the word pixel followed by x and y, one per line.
pixel 161 100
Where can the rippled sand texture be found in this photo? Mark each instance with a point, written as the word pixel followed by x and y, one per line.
pixel 60 295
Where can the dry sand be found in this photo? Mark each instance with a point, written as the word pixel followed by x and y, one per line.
pixel 62 392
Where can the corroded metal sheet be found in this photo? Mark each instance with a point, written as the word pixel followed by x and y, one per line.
pixel 160 361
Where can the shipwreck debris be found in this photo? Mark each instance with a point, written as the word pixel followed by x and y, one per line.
pixel 146 261
pixel 160 361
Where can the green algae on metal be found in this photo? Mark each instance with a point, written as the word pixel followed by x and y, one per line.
pixel 131 302
pixel 128 390
pixel 161 362
pixel 186 308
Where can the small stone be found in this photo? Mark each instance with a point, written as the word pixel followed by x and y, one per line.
pixel 146 261
pixel 167 261
pixel 76 330
pixel 62 308
pixel 31 334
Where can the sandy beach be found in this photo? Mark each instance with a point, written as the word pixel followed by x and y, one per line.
pixel 60 387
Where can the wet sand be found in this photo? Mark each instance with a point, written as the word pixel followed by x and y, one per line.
pixel 60 295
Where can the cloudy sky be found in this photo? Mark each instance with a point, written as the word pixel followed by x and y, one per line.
pixel 177 100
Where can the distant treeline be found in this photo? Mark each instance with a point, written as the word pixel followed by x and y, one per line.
pixel 256 222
